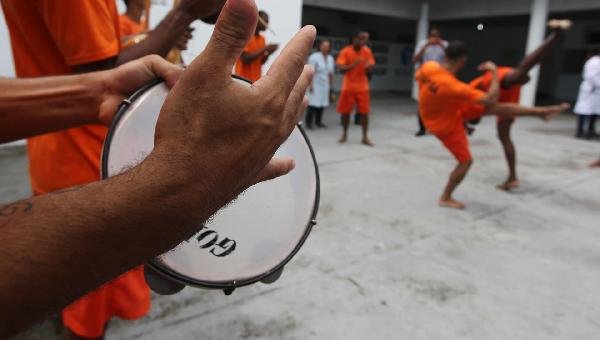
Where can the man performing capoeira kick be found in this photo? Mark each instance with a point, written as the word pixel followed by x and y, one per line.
pixel 446 103
pixel 511 80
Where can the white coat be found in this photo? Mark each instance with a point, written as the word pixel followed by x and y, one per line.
pixel 588 101
pixel 319 96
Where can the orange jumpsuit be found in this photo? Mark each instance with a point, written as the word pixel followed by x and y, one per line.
pixel 355 87
pixel 445 103
pixel 511 95
pixel 253 70
pixel 49 37
pixel 128 26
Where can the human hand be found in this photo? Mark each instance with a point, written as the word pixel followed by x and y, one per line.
pixel 218 133
pixel 121 82
pixel 487 66
pixel 182 42
pixel 205 10
pixel 270 48
pixel 434 41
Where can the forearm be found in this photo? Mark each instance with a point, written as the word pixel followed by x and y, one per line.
pixel 248 57
pixel 345 68
pixel 35 106
pixel 57 247
pixel 161 39
pixel 419 56
pixel 491 97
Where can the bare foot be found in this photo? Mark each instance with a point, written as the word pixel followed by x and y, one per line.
pixel 509 185
pixel 451 203
pixel 343 140
pixel 549 111
pixel 367 142
pixel 556 24
pixel 596 164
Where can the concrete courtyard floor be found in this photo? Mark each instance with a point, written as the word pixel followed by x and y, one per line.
pixel 385 262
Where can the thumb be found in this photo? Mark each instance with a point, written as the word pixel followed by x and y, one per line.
pixel 233 30
pixel 277 167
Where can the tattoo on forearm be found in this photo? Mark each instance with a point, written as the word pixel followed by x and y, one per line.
pixel 62 191
pixel 13 208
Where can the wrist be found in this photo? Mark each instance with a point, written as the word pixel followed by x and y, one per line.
pixel 192 188
pixel 181 13
pixel 96 89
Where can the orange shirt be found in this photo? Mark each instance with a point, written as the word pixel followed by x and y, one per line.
pixel 253 70
pixel 442 97
pixel 483 82
pixel 48 38
pixel 356 79
pixel 129 27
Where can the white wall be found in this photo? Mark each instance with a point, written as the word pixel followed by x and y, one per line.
pixel 6 61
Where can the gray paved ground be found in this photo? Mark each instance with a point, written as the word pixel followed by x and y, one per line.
pixel 386 262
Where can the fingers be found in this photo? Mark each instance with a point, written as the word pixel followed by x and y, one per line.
pixel 284 73
pixel 163 69
pixel 296 99
pixel 301 111
pixel 233 30
pixel 277 167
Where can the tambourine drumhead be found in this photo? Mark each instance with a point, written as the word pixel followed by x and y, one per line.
pixel 246 241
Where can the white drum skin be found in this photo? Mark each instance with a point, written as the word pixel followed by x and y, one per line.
pixel 248 240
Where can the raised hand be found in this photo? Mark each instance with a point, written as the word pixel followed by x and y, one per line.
pixel 218 130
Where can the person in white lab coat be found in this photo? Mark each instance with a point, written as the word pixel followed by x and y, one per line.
pixel 588 102
pixel 318 94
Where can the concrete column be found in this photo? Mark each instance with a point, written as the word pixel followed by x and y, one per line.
pixel 422 28
pixel 537 32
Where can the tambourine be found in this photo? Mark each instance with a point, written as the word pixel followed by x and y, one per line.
pixel 248 241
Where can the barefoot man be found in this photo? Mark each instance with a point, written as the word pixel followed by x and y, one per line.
pixel 355 61
pixel 511 80
pixel 446 103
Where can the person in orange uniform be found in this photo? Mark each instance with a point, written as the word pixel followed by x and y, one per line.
pixel 511 80
pixel 445 103
pixel 356 61
pixel 256 53
pixel 130 22
pixel 132 25
pixel 73 36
